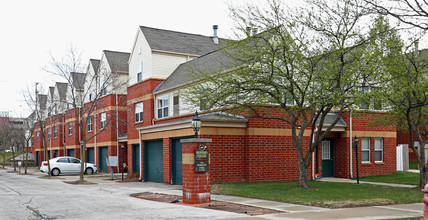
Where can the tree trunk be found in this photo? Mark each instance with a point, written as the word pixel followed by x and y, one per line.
pixel 4 156
pixel 303 175
pixel 26 156
pixel 422 175
pixel 13 159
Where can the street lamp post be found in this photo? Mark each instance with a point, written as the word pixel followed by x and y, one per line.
pixel 196 124
pixel 122 146
pixel 355 145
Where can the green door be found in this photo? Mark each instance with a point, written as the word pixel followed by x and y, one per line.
pixel 103 152
pixel 176 162
pixel 37 158
pixel 55 152
pixel 327 158
pixel 49 154
pixel 70 152
pixel 135 158
pixel 153 161
pixel 90 155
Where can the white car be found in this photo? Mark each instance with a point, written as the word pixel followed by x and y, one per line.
pixel 67 165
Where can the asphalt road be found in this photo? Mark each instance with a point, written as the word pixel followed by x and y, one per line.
pixel 33 197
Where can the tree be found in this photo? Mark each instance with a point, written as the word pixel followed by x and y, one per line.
pixel 300 69
pixel 84 103
pixel 409 12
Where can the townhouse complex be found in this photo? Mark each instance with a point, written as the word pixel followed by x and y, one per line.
pixel 144 119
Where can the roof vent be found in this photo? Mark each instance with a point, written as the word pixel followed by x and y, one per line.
pixel 215 37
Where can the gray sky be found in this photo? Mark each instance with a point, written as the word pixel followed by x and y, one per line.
pixel 30 30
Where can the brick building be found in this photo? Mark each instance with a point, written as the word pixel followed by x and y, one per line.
pixel 151 117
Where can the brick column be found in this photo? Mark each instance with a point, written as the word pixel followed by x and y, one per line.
pixel 196 185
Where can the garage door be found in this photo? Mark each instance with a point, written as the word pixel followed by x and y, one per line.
pixel 103 152
pixel 176 162
pixel 153 161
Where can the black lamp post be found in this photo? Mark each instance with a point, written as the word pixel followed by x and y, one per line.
pixel 196 124
pixel 355 145
pixel 122 146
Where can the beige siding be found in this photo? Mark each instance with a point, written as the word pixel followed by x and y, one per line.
pixel 136 58
pixel 164 64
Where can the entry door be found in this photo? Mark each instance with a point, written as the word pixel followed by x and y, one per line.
pixel 55 153
pixel 135 158
pixel 70 152
pixel 37 158
pixel 90 155
pixel 103 152
pixel 327 159
pixel 153 161
pixel 176 162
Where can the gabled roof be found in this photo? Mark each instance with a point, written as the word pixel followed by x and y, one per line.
pixel 214 62
pixel 118 61
pixel 62 89
pixel 329 119
pixel 42 100
pixel 51 92
pixel 78 80
pixel 95 64
pixel 178 42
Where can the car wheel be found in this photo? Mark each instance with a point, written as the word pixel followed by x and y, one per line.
pixel 89 171
pixel 55 172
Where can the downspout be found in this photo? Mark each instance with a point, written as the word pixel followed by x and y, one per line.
pixel 350 142
pixel 313 159
pixel 141 170
pixel 63 135
pixel 95 138
pixel 117 132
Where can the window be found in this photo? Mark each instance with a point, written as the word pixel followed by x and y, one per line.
pixel 55 131
pixel 37 136
pixel 163 107
pixel 70 128
pixel 49 133
pixel 49 111
pixel 140 72
pixel 90 123
pixel 378 145
pixel 365 149
pixel 63 160
pixel 139 112
pixel 103 120
pixel 90 93
pixel 326 155
pixel 176 105
pixel 365 89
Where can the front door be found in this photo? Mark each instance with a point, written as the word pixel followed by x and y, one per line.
pixel 103 152
pixel 327 159
pixel 136 158
pixel 37 158
pixel 176 162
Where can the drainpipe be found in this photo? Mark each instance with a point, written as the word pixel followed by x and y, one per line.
pixel 95 138
pixel 63 134
pixel 350 142
pixel 117 131
pixel 313 160
pixel 139 140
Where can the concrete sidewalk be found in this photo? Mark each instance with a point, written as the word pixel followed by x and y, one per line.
pixel 291 211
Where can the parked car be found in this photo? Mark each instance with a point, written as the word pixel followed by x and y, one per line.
pixel 67 165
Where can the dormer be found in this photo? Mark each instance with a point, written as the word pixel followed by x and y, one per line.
pixel 60 95
pixel 78 82
pixel 156 53
pixel 91 82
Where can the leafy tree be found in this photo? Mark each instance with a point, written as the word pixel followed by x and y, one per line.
pixel 301 68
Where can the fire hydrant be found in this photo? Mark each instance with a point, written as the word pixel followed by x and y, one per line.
pixel 425 201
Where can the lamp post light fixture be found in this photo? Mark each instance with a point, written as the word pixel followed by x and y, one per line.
pixel 196 124
pixel 122 146
pixel 355 145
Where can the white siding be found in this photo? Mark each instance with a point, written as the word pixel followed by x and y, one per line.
pixel 136 59
pixel 164 64
pixel 184 108
pixel 90 82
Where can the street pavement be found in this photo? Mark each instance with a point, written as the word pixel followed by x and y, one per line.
pixel 32 197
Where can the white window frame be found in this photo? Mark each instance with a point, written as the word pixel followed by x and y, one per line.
pixel 103 120
pixel 37 136
pixel 90 124
pixel 379 148
pixel 326 150
pixel 139 109
pixel 163 107
pixel 365 150
pixel 70 128
pixel 49 133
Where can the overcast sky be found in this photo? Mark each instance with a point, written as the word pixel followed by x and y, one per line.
pixel 31 29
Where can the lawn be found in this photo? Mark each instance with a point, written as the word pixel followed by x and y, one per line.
pixel 324 194
pixel 9 156
pixel 413 165
pixel 400 177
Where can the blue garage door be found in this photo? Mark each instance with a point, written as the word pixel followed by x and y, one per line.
pixel 153 161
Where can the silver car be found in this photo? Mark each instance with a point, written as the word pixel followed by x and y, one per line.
pixel 67 165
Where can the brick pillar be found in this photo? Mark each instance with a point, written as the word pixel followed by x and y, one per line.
pixel 196 185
